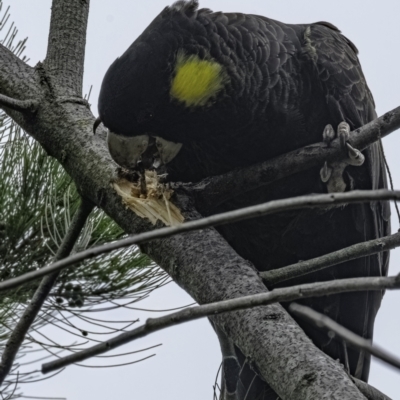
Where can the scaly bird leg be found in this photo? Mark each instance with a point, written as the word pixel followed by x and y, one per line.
pixel 332 174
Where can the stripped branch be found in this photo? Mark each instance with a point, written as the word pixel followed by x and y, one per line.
pixel 18 335
pixel 358 250
pixel 189 314
pixel 310 201
pixel 334 329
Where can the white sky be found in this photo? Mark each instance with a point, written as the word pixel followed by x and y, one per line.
pixel 186 364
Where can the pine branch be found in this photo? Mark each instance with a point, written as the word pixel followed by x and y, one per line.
pixel 276 296
pixel 23 325
pixel 318 200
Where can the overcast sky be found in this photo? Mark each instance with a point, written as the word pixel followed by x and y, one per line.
pixel 186 364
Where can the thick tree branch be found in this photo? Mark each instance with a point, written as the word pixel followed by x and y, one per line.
pixel 18 335
pixel 317 200
pixel 358 250
pixel 275 296
pixel 322 321
pixel 66 46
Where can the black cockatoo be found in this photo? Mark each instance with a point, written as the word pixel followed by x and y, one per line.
pixel 207 92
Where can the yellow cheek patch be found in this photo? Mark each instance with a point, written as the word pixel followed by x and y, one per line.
pixel 196 81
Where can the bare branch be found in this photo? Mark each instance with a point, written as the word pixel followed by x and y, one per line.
pixel 18 105
pixel 66 46
pixel 369 391
pixel 242 303
pixel 318 200
pixel 18 335
pixel 335 329
pixel 217 189
pixel 358 250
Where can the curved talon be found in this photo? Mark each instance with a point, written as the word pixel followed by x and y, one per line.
pixel 343 132
pixel 329 134
pixel 325 173
pixel 355 156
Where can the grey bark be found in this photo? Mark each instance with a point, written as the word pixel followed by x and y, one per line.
pixel 200 262
pixel 66 46
pixel 267 335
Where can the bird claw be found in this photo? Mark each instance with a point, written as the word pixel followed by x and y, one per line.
pixel 355 156
pixel 328 135
pixel 343 133
pixel 332 175
pixel 325 173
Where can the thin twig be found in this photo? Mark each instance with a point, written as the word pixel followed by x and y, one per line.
pixel 17 336
pixel 309 201
pixel 18 105
pixel 358 250
pixel 354 340
pixel 277 295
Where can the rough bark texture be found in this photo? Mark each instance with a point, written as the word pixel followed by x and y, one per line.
pixel 200 262
pixel 66 46
pixel 206 267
